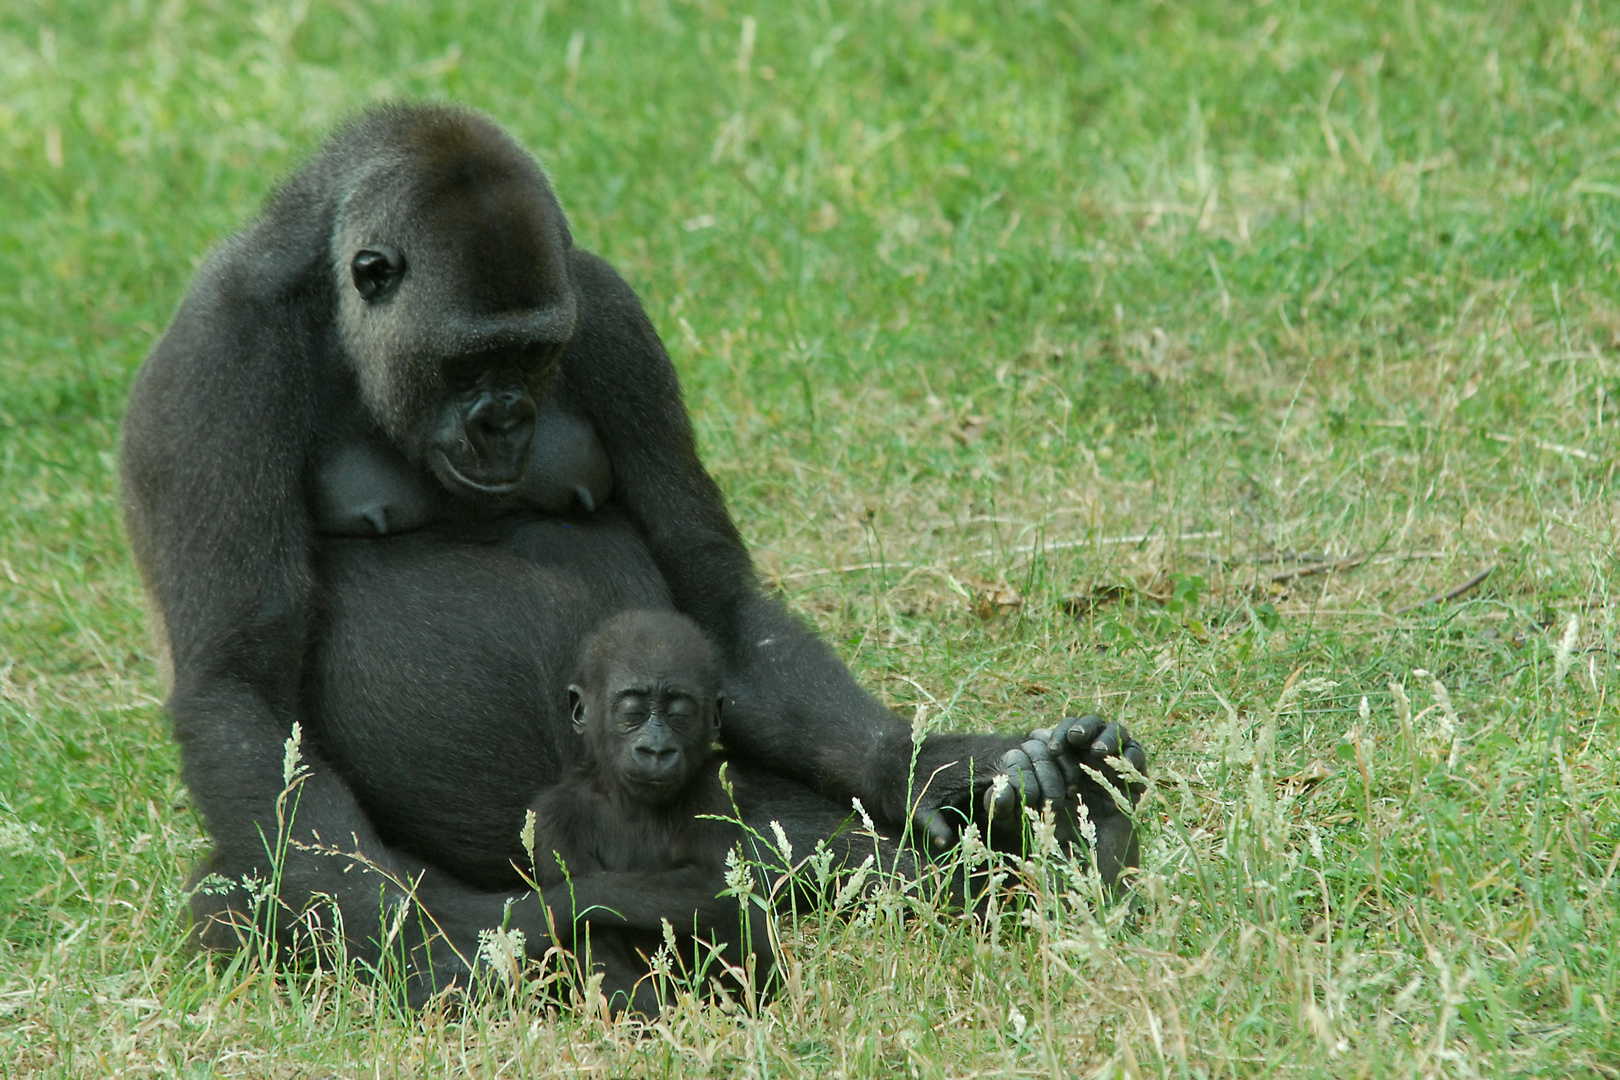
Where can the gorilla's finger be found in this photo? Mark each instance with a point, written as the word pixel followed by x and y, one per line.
pixel 1137 757
pixel 1020 778
pixel 1001 800
pixel 940 830
pixel 1043 734
pixel 1070 768
pixel 1059 739
pixel 1063 754
pixel 1053 788
pixel 1051 775
pixel 1110 742
pixel 1077 733
pixel 1016 764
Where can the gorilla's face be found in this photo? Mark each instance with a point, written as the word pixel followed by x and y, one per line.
pixel 478 439
pixel 454 305
pixel 648 729
pixel 648 703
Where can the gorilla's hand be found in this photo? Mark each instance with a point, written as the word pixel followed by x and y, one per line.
pixel 1052 765
pixel 1048 767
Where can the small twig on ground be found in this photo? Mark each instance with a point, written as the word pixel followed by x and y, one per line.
pixel 852 568
pixel 1318 568
pixel 1306 558
pixel 1278 557
pixel 1099 541
pixel 1549 447
pixel 1013 552
pixel 1451 594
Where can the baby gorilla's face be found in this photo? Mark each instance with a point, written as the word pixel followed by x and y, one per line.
pixel 648 731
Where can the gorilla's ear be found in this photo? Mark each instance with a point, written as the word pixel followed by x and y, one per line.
pixel 576 706
pixel 714 724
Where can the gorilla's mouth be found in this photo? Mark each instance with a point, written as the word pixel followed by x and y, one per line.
pixel 654 790
pixel 454 477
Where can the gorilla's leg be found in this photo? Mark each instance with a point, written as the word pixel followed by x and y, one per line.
pixel 806 818
pixel 621 957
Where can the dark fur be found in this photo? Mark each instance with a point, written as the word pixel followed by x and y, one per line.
pixel 662 850
pixel 291 460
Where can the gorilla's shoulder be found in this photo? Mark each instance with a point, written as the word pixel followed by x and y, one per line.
pixel 611 315
pixel 601 287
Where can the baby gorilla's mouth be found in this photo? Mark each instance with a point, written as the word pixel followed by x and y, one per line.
pixel 654 790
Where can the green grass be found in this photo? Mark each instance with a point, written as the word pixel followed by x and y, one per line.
pixel 1038 347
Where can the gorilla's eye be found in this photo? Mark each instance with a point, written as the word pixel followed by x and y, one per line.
pixel 632 709
pixel 376 271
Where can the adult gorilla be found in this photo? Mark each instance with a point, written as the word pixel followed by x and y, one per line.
pixel 401 451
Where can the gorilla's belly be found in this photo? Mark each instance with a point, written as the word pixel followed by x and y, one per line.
pixel 438 681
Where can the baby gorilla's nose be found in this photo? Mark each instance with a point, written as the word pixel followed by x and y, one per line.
pixel 657 761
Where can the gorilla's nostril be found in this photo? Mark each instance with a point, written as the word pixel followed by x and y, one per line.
pixel 497 414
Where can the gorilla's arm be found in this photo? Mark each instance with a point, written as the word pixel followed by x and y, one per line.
pixel 792 705
pixel 214 448
pixel 572 826
pixel 689 897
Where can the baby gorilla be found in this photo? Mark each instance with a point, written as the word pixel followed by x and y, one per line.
pixel 632 819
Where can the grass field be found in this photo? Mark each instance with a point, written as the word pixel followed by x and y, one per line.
pixel 1161 359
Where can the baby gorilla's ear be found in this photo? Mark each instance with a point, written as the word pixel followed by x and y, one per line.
pixel 714 721
pixel 576 706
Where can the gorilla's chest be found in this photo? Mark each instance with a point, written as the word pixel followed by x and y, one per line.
pixel 438 667
pixel 361 486
pixel 481 620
